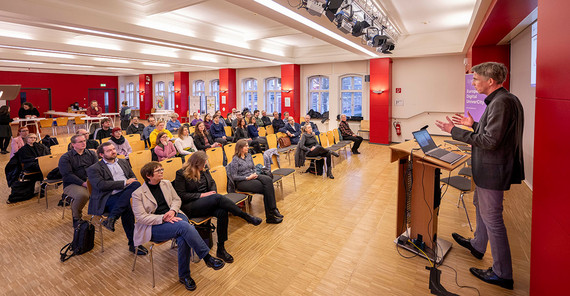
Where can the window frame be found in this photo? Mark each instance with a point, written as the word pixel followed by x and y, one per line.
pixel 319 92
pixel 215 92
pixel 160 92
pixel 170 103
pixel 253 92
pixel 352 91
pixel 130 95
pixel 276 91
pixel 199 89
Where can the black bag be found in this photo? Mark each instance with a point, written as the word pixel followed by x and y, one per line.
pixel 261 170
pixel 21 190
pixel 49 141
pixel 83 241
pixel 54 174
pixel 205 230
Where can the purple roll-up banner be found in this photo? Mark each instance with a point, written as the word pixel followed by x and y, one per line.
pixel 474 101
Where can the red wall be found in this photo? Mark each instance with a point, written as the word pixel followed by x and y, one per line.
pixel 549 260
pixel 182 92
pixel 492 53
pixel 291 80
pixel 145 95
pixel 65 88
pixel 228 84
pixel 380 104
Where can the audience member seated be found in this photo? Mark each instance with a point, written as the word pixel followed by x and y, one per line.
pixel 231 117
pixel 253 131
pixel 91 144
pixel 195 119
pixel 28 111
pixel 312 124
pixel 173 124
pixel 28 156
pixel 197 189
pixel 218 132
pixel 265 120
pixel 277 122
pixel 125 115
pixel 293 130
pixel 148 130
pixel 93 111
pixel 159 128
pixel 164 148
pixel 242 172
pixel 235 121
pixel 156 208
pixel 184 143
pixel 5 129
pixel 113 183
pixel 202 138
pixel 222 120
pixel 347 134
pixel 309 146
pixel 19 141
pixel 121 144
pixel 247 115
pixel 105 131
pixel 258 120
pixel 242 133
pixel 208 121
pixel 135 127
pixel 73 167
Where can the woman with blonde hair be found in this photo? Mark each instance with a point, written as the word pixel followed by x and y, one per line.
pixel 184 143
pixel 197 189
pixel 159 128
pixel 242 172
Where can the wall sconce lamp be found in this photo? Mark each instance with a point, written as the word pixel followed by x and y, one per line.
pixel 177 91
pixel 141 92
pixel 377 91
pixel 286 90
pixel 223 91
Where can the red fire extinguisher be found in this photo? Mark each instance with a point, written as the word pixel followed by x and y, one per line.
pixel 398 128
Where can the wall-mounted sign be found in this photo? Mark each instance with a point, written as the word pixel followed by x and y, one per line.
pixel 223 99
pixel 287 102
pixel 103 84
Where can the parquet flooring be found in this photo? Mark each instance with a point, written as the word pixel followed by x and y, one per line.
pixel 336 239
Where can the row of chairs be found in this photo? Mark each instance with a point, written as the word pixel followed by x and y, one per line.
pixel 61 122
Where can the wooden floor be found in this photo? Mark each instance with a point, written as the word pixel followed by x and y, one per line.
pixel 336 239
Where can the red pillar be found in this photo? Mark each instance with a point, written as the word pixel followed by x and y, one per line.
pixel 380 103
pixel 291 90
pixel 228 90
pixel 492 53
pixel 181 93
pixel 145 94
pixel 550 233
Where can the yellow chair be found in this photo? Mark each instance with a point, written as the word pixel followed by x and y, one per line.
pixel 262 132
pixel 47 123
pixel 277 179
pixel 137 145
pixel 78 121
pixel 221 179
pixel 124 133
pixel 277 170
pixel 191 130
pixel 131 137
pixel 324 140
pixel 47 163
pixel 138 159
pixel 215 156
pixel 269 129
pixel 62 122
pixel 105 140
pixel 59 149
pixel 228 130
pixel 339 143
pixel 230 150
pixel 364 126
pixel 170 166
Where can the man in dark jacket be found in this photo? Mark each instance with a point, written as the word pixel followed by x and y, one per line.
pixel 265 119
pixel 73 167
pixel 135 127
pixel 218 132
pixel 105 131
pixel 277 122
pixel 497 163
pixel 113 183
pixel 312 124
pixel 293 130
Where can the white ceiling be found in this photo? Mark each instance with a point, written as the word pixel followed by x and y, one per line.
pixel 110 37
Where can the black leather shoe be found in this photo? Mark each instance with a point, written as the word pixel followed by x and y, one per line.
pixel 224 255
pixel 490 277
pixel 188 283
pixel 335 154
pixel 330 175
pixel 273 220
pixel 355 152
pixel 141 251
pixel 276 213
pixel 214 263
pixel 253 220
pixel 110 223
pixel 466 243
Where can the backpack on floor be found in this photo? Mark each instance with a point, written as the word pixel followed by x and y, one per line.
pixel 83 241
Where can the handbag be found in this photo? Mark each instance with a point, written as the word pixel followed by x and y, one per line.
pixel 261 170
pixel 284 142
pixel 83 241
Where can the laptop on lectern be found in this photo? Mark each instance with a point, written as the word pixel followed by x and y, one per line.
pixel 430 149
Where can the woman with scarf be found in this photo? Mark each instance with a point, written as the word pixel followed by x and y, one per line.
pixel 121 144
pixel 164 148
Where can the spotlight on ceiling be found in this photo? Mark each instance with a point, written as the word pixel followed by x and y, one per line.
pixel 386 48
pixel 332 8
pixel 344 20
pixel 315 7
pixel 376 37
pixel 359 27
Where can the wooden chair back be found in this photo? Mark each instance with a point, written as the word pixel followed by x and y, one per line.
pixel 105 140
pixel 281 135
pixel 365 125
pixel 262 132
pixel 330 136
pixel 336 135
pixel 137 145
pixel 230 150
pixel 324 140
pixel 170 166
pixel 78 120
pixel 48 162
pixel 131 137
pixel 269 129
pixel 228 130
pixel 215 156
pixel 48 122
pixel 59 149
pixel 221 178
pixel 271 141
pixel 258 159
pixel 140 158
pixel 61 121
pixel 191 130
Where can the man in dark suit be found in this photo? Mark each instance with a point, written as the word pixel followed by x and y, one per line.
pixel 293 130
pixel 497 163
pixel 113 182
pixel 312 124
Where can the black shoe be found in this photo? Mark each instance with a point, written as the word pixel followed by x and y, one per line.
pixel 214 263
pixel 335 154
pixel 141 251
pixel 110 223
pixel 273 220
pixel 252 220
pixel 188 283
pixel 224 255
pixel 4 152
pixel 355 152
pixel 466 243
pixel 64 201
pixel 330 175
pixel 490 277
pixel 276 213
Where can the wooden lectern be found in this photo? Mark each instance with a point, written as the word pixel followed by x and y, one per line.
pixel 417 211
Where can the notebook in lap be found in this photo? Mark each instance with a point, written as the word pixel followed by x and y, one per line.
pixel 429 148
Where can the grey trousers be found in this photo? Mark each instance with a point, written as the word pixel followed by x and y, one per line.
pixel 491 228
pixel 80 197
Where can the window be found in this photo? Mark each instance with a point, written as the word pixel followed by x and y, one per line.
pixel 272 95
pixel 131 96
pixel 170 105
pixel 318 94
pixel 215 91
pixel 160 95
pixel 351 95
pixel 200 91
pixel 250 94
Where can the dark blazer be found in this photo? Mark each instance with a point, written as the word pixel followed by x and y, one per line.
pixel 135 129
pixel 277 124
pixel 497 142
pixel 200 143
pixel 28 156
pixel 313 126
pixel 103 184
pixel 23 112
pixel 296 132
pixel 241 133
pixel 188 189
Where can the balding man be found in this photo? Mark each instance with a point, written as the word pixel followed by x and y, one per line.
pixel 347 134
pixel 293 130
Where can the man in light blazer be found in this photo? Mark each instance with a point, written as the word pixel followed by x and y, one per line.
pixel 497 163
pixel 113 182
pixel 156 207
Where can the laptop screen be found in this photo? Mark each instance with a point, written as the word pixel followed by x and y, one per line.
pixel 424 140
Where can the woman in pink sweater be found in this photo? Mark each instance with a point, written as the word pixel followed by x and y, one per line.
pixel 164 148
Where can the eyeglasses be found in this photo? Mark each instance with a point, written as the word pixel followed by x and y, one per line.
pixel 159 170
pixel 80 141
pixel 165 136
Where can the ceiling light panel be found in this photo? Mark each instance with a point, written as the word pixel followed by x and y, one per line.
pixel 50 54
pixel 94 42
pixel 111 60
pixel 155 64
pixel 79 66
pixel 21 62
pixel 163 52
pixel 15 34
